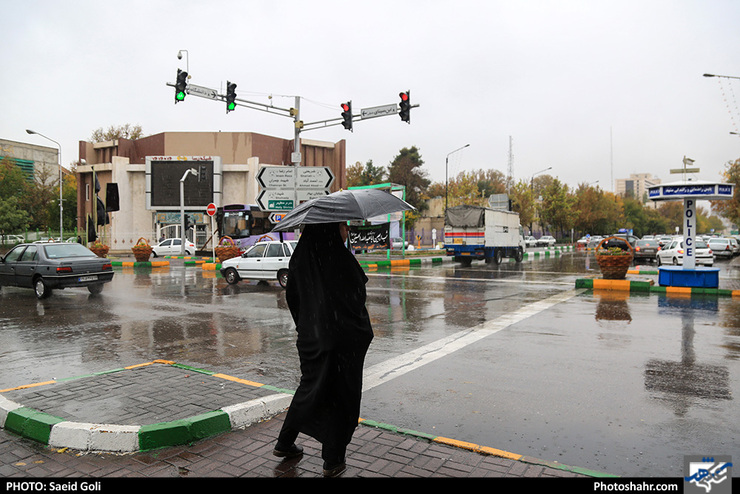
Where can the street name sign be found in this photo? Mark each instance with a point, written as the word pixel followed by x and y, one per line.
pixel 202 91
pixel 379 111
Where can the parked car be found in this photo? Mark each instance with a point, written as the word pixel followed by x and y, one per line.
pixel 546 241
pixel 262 261
pixel 673 253
pixel 664 240
pixel 172 247
pixel 48 266
pixel 645 250
pixel 530 241
pixel 594 242
pixel 397 242
pixel 721 247
pixel 735 246
pixel 629 238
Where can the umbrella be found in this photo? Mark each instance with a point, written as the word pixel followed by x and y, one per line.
pixel 345 205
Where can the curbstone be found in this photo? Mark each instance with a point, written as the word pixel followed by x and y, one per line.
pixel 95 437
pixel 7 406
pixel 247 413
pixel 31 424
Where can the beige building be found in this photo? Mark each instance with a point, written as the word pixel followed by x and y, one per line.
pixel 41 162
pixel 146 173
pixel 636 186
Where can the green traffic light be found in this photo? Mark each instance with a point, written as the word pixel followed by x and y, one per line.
pixel 231 106
pixel 180 96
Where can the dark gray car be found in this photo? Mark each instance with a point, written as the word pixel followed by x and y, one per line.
pixel 47 266
pixel 645 250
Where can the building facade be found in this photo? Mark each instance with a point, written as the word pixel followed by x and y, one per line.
pixel 33 159
pixel 636 186
pixel 131 205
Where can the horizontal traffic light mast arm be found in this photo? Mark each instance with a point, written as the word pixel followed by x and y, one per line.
pixel 320 124
pixel 215 96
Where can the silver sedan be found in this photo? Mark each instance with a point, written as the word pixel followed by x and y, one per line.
pixel 48 266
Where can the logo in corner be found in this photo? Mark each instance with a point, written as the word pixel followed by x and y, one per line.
pixel 708 474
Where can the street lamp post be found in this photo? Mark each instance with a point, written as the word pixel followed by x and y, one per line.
pixel 446 169
pixel 61 180
pixel 531 181
pixel 531 187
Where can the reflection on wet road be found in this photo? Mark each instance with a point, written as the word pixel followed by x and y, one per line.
pixel 510 356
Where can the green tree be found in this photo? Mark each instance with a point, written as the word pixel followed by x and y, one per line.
pixel 557 208
pixel 16 196
pixel 359 175
pixel 405 169
pixel 672 212
pixel 522 202
pixel 12 218
pixel 730 208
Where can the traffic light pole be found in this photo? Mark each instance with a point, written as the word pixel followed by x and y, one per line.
pixel 295 113
pixel 182 208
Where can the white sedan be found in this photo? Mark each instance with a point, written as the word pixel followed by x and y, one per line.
pixel 263 261
pixel 673 253
pixel 173 247
pixel 546 241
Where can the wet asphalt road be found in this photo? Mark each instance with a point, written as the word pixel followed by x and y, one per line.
pixel 511 356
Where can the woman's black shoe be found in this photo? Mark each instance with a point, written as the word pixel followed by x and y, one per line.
pixel 290 452
pixel 334 470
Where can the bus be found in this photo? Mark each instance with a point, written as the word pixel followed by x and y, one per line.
pixel 246 224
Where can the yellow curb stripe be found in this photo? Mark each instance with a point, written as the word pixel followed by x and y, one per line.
pixel 160 361
pixel 238 380
pixel 138 365
pixel 26 386
pixel 476 448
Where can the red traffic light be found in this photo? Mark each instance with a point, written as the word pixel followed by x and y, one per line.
pixel 405 106
pixel 347 115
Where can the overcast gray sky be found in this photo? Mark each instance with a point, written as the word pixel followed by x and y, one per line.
pixel 595 89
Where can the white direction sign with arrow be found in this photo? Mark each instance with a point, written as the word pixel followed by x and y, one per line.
pixel 284 187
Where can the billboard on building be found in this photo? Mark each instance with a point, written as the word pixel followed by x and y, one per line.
pixel 163 176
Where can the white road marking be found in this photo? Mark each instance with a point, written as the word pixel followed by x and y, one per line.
pixel 400 365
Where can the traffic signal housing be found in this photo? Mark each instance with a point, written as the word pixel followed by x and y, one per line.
pixel 181 85
pixel 347 115
pixel 230 96
pixel 405 106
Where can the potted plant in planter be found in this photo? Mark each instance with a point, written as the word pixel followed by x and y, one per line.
pixel 226 249
pixel 142 250
pixel 614 261
pixel 99 248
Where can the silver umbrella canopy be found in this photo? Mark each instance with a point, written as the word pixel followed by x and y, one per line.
pixel 345 205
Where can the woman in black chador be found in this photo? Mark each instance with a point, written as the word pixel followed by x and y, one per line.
pixel 326 297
